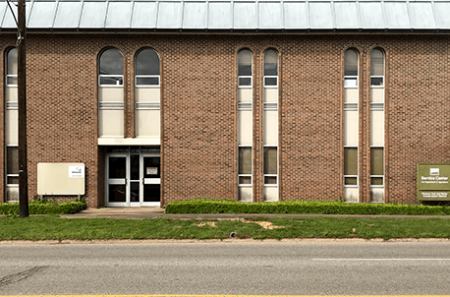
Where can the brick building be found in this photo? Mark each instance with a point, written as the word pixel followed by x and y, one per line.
pixel 252 101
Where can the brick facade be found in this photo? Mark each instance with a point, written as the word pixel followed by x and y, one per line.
pixel 199 113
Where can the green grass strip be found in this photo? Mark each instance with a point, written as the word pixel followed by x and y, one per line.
pixel 303 207
pixel 52 227
pixel 44 207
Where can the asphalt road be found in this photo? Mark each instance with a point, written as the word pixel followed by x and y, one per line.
pixel 227 268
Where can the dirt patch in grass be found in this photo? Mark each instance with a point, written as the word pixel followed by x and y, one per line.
pixel 212 224
pixel 264 224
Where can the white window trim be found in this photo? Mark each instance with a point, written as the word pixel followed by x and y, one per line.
pixel 352 76
pixel 384 167
pixel 110 86
pixel 246 174
pixel 245 185
pixel 351 186
pixel 374 86
pixel 6 167
pixel 147 86
pixel 251 82
pixel 270 185
pixel 270 76
pixel 278 168
pixel 376 186
pixel 10 75
pixel 11 185
pixel 352 175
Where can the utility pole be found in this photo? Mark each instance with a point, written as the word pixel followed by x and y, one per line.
pixel 22 92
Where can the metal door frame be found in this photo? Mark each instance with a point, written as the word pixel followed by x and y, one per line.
pixel 127 180
pixel 155 181
pixel 142 181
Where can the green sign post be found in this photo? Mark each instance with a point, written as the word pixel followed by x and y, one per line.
pixel 433 182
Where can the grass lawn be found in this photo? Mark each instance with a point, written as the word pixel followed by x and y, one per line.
pixel 53 227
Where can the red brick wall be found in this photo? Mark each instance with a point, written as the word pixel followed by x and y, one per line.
pixel 199 110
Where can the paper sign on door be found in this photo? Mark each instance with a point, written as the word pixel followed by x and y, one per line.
pixel 152 170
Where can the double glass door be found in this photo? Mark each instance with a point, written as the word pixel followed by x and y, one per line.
pixel 133 179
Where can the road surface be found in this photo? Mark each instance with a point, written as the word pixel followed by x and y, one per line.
pixel 226 268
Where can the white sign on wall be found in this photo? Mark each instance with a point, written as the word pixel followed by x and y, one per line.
pixel 76 171
pixel 61 178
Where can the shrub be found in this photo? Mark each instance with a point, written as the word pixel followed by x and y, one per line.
pixel 303 207
pixel 44 207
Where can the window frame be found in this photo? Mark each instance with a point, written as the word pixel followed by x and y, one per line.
pixel 136 76
pixel 384 166
pixel 357 168
pixel 357 69
pixel 245 174
pixel 250 86
pixel 278 168
pixel 376 86
pixel 147 86
pixel 245 86
pixel 384 69
pixel 7 75
pixel 6 168
pixel 11 76
pixel 351 77
pixel 271 76
pixel 100 76
pixel 270 86
pixel 382 87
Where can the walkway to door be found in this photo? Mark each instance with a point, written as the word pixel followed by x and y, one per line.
pixel 156 212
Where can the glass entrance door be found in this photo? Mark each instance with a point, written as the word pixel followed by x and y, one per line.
pixel 117 179
pixel 151 174
pixel 133 179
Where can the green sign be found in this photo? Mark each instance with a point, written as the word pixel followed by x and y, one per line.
pixel 433 181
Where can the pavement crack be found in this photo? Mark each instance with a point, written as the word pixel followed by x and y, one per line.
pixel 20 276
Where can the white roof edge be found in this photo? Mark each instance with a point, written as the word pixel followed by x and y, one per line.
pixel 303 7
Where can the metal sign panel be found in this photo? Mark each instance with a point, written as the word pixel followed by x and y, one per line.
pixel 433 181
pixel 61 179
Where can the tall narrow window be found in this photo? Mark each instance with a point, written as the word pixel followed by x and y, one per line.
pixel 148 102
pixel 245 69
pixel 245 166
pixel 110 96
pixel 11 128
pixel 270 126
pixel 245 125
pixel 351 127
pixel 377 126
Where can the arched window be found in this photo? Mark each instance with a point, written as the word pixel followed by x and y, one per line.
pixel 270 126
pixel 147 95
pixel 270 69
pixel 351 69
pixel 377 126
pixel 111 68
pixel 245 126
pixel 147 68
pixel 377 68
pixel 110 95
pixel 351 126
pixel 245 58
pixel 11 67
pixel 11 127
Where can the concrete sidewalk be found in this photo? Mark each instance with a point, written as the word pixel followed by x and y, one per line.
pixel 156 212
